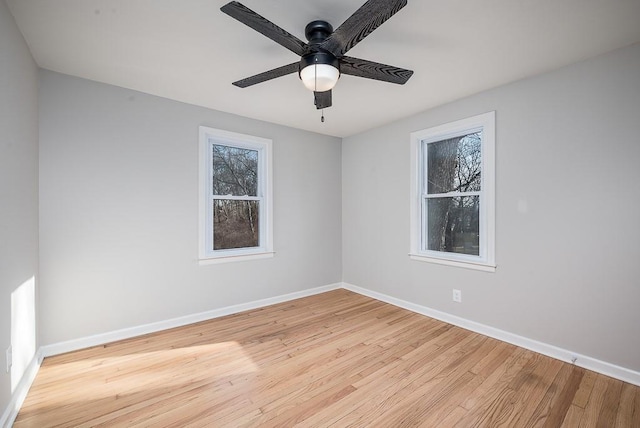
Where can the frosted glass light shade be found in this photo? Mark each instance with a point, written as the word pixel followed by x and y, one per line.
pixel 319 77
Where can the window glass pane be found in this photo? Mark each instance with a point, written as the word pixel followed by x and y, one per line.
pixel 454 225
pixel 235 171
pixel 453 165
pixel 235 224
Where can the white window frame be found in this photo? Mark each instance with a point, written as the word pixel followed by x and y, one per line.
pixel 418 216
pixel 208 138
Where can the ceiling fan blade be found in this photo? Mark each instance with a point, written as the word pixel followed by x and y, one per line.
pixel 374 70
pixel 268 75
pixel 370 16
pixel 322 99
pixel 262 25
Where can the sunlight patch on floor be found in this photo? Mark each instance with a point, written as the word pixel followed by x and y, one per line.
pixel 94 379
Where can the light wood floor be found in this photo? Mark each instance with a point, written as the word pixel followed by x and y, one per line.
pixel 336 359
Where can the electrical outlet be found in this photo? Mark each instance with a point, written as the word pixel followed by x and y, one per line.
pixel 457 296
pixel 9 356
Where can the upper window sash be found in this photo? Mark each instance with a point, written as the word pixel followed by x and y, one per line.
pixel 259 190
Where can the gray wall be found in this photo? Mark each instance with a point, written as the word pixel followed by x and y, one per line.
pixel 18 177
pixel 567 212
pixel 119 211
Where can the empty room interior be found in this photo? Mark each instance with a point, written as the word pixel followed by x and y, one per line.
pixel 212 214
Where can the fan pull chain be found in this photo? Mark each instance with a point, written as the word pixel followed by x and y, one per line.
pixel 315 71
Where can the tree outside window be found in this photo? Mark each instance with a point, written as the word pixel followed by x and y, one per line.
pixel 236 220
pixel 454 167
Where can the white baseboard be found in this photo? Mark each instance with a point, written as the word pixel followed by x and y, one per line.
pixel 20 393
pixel 583 361
pixel 127 333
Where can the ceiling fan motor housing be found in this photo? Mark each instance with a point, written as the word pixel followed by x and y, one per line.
pixel 316 32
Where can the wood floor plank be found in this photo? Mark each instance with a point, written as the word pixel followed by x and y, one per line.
pixel 584 391
pixel 334 359
pixel 440 394
pixel 452 419
pixel 443 406
pixel 489 389
pixel 384 399
pixel 493 413
pixel 609 411
pixel 629 409
pixel 573 418
pixel 561 402
pixel 596 400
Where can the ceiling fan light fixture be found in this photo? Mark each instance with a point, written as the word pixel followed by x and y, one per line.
pixel 319 77
pixel 319 72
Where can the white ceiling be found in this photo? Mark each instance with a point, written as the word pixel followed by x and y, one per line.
pixel 187 50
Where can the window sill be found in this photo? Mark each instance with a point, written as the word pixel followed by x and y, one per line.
pixel 456 263
pixel 235 258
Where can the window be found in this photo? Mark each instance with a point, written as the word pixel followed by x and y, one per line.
pixel 452 193
pixel 235 196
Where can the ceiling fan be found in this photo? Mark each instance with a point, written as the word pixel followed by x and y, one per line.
pixel 323 59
